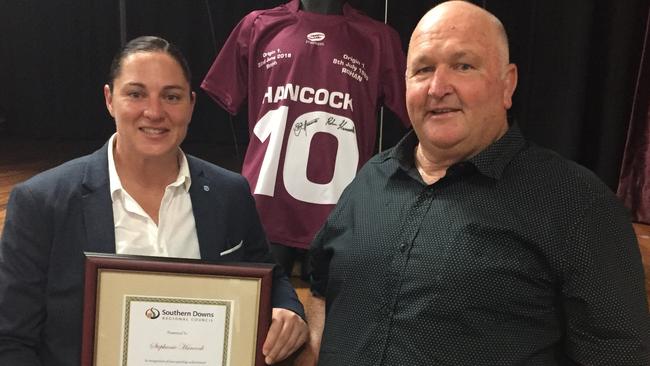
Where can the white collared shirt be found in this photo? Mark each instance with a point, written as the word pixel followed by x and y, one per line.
pixel 137 234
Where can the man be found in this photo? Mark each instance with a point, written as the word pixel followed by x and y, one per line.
pixel 467 245
pixel 139 194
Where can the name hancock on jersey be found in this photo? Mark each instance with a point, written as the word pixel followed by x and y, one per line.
pixel 307 95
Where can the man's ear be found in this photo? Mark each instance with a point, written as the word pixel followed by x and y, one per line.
pixel 108 98
pixel 510 84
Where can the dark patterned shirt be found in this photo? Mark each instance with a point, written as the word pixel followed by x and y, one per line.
pixel 515 257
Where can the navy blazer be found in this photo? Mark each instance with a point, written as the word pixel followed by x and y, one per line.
pixel 55 216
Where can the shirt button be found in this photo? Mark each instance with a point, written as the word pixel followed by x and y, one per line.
pixel 402 247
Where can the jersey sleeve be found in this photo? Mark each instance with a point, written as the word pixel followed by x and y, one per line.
pixel 227 80
pixel 393 85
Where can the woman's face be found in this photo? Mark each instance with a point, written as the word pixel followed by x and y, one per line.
pixel 152 105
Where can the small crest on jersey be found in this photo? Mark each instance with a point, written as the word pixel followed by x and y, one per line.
pixel 316 36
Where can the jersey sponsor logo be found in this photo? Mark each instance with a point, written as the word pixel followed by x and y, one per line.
pixel 307 95
pixel 316 38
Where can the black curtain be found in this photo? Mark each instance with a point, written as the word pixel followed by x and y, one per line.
pixel 53 59
pixel 577 64
pixel 634 186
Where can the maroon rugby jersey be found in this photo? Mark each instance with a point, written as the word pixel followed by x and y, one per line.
pixel 313 83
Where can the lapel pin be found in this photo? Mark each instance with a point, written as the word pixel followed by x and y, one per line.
pixel 206 188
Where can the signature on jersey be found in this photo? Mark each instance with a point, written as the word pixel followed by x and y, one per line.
pixel 302 126
pixel 342 125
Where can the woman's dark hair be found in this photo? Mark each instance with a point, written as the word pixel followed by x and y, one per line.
pixel 147 44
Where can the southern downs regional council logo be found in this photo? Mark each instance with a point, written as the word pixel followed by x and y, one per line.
pixel 316 38
pixel 152 313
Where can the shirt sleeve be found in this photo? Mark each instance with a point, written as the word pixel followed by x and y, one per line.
pixel 604 300
pixel 24 257
pixel 321 250
pixel 227 80
pixel 393 84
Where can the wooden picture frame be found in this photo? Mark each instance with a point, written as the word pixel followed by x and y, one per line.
pixel 141 310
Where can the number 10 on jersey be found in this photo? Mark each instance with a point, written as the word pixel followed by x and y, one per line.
pixel 272 127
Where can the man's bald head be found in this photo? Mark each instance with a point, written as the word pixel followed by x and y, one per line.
pixel 459 82
pixel 458 13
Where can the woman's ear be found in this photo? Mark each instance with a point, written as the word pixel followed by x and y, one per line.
pixel 108 98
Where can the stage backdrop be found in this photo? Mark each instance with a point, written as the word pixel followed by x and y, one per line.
pixel 578 61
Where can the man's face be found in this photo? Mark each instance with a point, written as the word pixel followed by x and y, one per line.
pixel 152 106
pixel 458 83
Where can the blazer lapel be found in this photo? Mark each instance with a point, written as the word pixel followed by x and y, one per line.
pixel 97 204
pixel 201 191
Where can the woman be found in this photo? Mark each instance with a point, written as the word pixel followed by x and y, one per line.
pixel 139 194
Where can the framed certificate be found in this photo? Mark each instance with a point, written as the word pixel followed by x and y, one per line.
pixel 165 311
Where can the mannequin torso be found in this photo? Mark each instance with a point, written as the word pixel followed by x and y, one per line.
pixel 334 7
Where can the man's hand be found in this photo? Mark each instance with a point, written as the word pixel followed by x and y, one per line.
pixel 287 332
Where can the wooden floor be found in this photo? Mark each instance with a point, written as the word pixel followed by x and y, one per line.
pixel 20 160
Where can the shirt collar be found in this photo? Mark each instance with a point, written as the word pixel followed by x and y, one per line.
pixel 491 162
pixel 494 159
pixel 183 179
pixel 404 150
